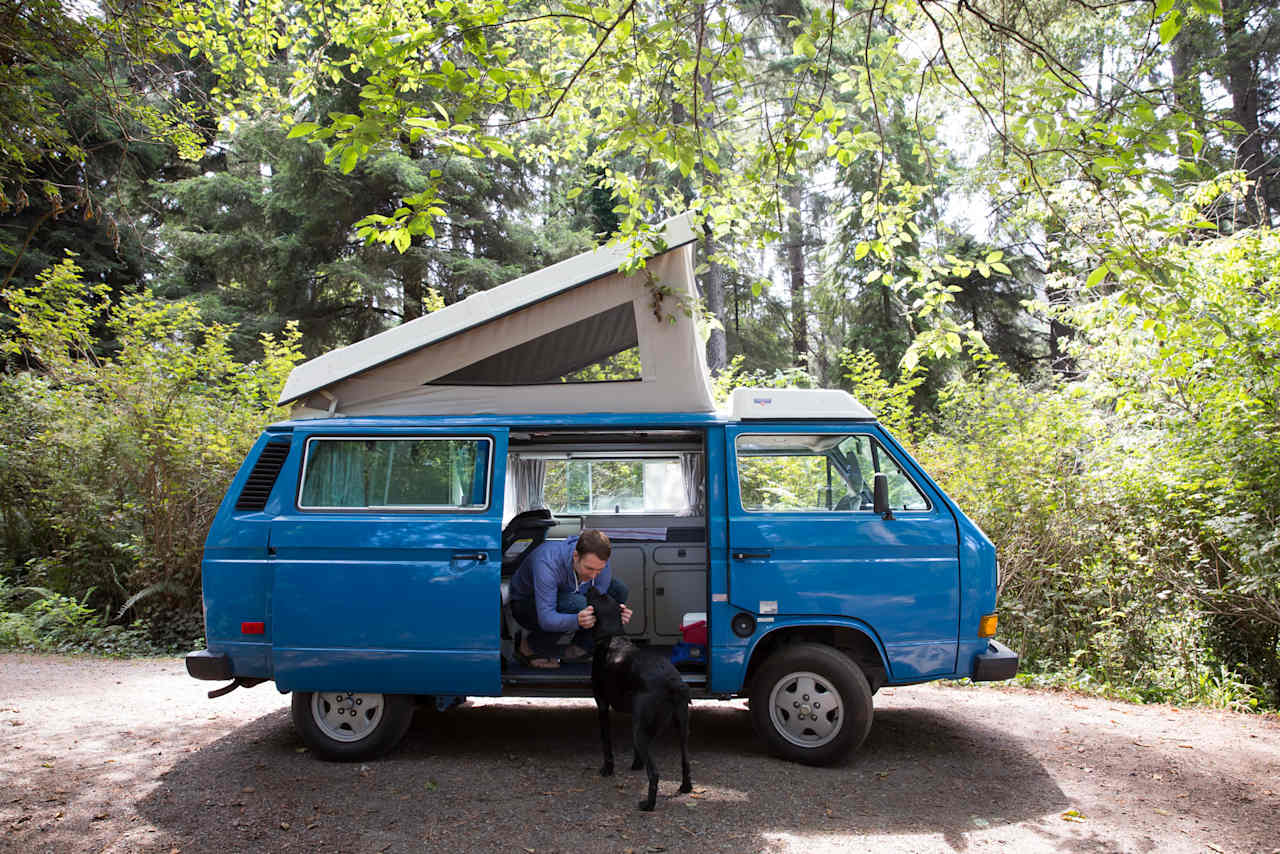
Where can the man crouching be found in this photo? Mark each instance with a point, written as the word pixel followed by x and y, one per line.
pixel 547 598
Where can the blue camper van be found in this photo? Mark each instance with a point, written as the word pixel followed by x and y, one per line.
pixel 361 556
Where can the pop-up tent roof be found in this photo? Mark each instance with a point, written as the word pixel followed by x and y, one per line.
pixel 510 348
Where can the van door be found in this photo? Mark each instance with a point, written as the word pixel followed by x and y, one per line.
pixel 386 566
pixel 804 541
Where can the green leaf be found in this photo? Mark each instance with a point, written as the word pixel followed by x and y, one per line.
pixel 302 129
pixel 1170 28
pixel 349 158
pixel 1097 276
pixel 573 193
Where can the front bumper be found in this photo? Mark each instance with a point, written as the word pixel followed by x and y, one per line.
pixel 997 663
pixel 210 666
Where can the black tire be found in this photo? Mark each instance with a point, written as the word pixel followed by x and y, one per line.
pixel 379 722
pixel 787 699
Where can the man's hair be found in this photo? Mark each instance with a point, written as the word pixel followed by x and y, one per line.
pixel 594 542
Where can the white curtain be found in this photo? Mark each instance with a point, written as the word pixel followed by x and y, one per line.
pixel 526 478
pixel 692 467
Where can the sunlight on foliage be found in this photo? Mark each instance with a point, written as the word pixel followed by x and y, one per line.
pixel 123 453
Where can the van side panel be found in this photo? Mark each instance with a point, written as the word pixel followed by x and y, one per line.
pixel 978 572
pixel 236 576
pixel 401 602
pixel 978 580
pixel 900 577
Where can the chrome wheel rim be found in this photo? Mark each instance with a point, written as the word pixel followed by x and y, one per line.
pixel 344 716
pixel 806 709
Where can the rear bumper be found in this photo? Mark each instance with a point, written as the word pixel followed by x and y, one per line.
pixel 997 663
pixel 210 666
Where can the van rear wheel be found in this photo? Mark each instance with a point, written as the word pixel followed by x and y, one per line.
pixel 811 704
pixel 346 726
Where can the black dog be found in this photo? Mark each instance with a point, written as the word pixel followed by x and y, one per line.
pixel 639 682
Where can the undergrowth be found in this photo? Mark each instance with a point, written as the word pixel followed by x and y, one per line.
pixel 1217 689
pixel 36 619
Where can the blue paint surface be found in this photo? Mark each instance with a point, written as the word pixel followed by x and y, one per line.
pixel 408 601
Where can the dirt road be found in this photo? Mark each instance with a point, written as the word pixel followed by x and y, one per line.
pixel 125 756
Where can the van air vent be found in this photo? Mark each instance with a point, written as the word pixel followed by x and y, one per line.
pixel 258 487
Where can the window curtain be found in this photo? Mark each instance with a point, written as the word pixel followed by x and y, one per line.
pixel 335 475
pixel 527 477
pixel 693 469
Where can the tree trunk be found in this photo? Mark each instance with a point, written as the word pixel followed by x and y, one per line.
pixel 713 281
pixel 795 272
pixel 713 288
pixel 412 307
pixel 1242 83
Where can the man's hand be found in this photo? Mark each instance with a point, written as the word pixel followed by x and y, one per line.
pixel 587 617
pixel 626 615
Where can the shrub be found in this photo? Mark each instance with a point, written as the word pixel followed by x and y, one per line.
pixel 115 462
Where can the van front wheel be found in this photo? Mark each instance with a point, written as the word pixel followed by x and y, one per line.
pixel 348 727
pixel 811 704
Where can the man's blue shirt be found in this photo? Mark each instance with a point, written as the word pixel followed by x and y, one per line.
pixel 544 574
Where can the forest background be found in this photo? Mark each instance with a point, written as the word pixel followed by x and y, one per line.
pixel 1035 236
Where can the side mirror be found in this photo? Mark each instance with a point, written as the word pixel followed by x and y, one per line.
pixel 881 495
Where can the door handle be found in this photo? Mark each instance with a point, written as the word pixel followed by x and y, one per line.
pixel 752 555
pixel 478 557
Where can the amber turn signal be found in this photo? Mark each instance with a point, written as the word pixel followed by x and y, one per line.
pixel 987 626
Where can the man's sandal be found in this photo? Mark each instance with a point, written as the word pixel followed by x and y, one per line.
pixel 529 660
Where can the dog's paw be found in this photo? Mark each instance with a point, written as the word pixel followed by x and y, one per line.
pixel 606 770
pixel 646 805
pixel 686 786
pixel 637 764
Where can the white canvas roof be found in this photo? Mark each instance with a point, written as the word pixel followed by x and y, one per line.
pixel 505 350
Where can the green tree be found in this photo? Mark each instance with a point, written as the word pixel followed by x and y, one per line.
pixel 266 238
pixel 114 465
pixel 83 96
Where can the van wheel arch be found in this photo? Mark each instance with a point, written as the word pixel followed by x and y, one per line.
pixel 854 643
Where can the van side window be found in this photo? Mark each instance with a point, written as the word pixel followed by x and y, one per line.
pixel 648 485
pixel 808 472
pixel 399 474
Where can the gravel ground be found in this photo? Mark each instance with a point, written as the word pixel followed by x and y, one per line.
pixel 125 756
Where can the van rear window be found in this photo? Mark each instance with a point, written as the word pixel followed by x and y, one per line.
pixel 396 474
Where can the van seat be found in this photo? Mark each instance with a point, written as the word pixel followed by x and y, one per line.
pixel 524 532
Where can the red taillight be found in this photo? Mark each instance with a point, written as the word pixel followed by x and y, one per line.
pixel 253 628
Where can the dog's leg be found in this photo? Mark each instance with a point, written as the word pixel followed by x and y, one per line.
pixel 606 737
pixel 644 750
pixel 682 721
